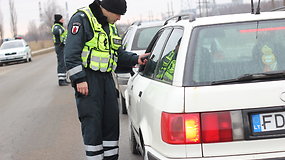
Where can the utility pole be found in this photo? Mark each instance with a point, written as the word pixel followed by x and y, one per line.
pixel 200 11
pixel 203 7
pixel 66 8
pixel 215 8
pixel 40 11
pixel 206 5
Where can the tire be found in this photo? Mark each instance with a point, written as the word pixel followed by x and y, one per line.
pixel 27 59
pixel 132 141
pixel 123 103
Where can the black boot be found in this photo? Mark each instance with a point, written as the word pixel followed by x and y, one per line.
pixel 62 83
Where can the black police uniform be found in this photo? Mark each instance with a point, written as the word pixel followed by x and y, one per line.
pixel 59 48
pixel 98 111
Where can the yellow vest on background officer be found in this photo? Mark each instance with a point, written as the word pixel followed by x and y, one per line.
pixel 166 70
pixel 93 50
pixel 59 37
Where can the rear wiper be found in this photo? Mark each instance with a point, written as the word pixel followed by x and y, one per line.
pixel 250 77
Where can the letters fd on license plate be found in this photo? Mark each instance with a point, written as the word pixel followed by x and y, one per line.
pixel 268 122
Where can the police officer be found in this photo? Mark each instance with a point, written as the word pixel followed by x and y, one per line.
pixel 59 36
pixel 93 50
pixel 167 64
pixel 267 53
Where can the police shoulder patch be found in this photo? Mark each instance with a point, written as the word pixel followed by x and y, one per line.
pixel 75 28
pixel 117 41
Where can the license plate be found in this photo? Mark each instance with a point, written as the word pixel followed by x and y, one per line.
pixel 265 122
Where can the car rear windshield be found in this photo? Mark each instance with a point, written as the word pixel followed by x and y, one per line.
pixel 143 37
pixel 228 51
pixel 9 45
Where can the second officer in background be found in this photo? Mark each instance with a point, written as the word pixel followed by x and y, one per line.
pixel 59 37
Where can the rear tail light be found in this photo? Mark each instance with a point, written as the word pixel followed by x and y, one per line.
pixel 180 128
pixel 216 127
pixel 196 128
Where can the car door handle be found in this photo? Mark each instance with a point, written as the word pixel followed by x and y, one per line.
pixel 140 94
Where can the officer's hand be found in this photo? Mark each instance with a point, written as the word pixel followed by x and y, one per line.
pixel 82 88
pixel 143 58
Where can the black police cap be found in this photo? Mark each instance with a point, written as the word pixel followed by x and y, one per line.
pixel 115 6
pixel 57 17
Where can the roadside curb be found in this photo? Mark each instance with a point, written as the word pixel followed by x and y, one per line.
pixel 42 51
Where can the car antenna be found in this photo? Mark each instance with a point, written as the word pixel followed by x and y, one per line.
pixel 252 7
pixel 258 8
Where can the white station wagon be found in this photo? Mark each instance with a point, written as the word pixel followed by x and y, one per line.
pixel 213 88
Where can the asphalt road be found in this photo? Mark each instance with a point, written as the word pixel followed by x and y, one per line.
pixel 38 119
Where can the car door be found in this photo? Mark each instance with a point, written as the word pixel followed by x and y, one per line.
pixel 140 81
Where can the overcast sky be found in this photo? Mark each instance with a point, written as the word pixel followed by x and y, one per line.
pixel 28 10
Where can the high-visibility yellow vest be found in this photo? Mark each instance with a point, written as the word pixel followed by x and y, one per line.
pixel 62 36
pixel 100 53
pixel 166 70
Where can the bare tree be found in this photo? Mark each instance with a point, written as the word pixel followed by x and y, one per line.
pixel 33 32
pixel 1 27
pixel 47 17
pixel 13 16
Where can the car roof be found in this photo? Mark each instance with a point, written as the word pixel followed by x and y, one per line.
pixel 232 18
pixel 145 24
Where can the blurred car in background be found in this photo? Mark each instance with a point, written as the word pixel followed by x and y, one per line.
pixel 15 50
pixel 136 39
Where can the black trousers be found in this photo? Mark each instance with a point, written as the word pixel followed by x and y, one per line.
pixel 61 67
pixel 99 116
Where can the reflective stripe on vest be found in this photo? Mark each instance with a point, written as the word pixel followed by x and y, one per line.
pixel 168 75
pixel 62 36
pixel 101 49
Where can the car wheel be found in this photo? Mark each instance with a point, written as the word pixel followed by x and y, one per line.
pixel 123 103
pixel 27 59
pixel 30 57
pixel 132 141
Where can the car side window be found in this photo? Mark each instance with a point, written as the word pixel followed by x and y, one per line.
pixel 156 51
pixel 166 64
pixel 126 38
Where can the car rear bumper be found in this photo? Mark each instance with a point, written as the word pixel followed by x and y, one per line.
pixel 151 154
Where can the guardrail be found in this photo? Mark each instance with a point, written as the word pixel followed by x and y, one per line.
pixel 42 51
